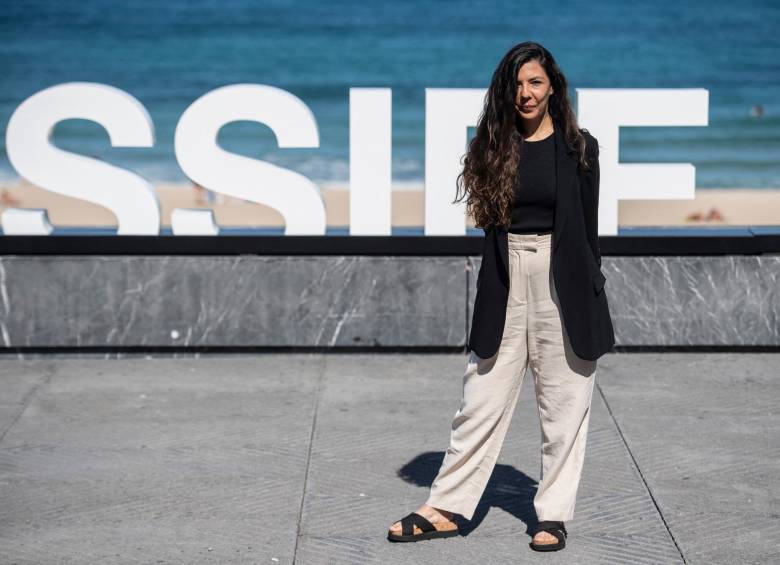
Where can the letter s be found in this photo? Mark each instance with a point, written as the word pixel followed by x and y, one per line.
pixel 130 197
pixel 205 162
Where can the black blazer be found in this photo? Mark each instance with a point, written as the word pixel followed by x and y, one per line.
pixel 576 263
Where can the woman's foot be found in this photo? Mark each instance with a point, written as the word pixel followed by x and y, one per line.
pixel 543 538
pixel 434 515
pixel 544 530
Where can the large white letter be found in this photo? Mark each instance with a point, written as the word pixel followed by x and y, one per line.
pixel 602 111
pixel 205 162
pixel 370 161
pixel 448 114
pixel 131 198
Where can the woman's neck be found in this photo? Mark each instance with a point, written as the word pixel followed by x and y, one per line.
pixel 536 131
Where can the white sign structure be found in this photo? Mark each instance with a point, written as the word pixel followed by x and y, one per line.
pixel 370 161
pixel 449 114
pixel 131 198
pixel 294 196
pixel 604 110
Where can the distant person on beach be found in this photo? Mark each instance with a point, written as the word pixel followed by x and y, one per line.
pixel 531 176
pixel 7 199
pixel 200 191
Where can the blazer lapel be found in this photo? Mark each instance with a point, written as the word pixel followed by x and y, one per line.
pixel 565 177
pixel 502 248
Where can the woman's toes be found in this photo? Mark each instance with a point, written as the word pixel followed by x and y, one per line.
pixel 396 528
pixel 544 537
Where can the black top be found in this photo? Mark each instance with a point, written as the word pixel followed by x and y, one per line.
pixel 534 203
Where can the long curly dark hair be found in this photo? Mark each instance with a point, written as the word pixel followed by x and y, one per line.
pixel 490 164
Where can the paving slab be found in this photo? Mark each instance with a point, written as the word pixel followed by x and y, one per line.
pixel 164 460
pixel 705 432
pixel 19 383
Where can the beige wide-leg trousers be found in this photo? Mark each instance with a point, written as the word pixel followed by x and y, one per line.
pixel 534 335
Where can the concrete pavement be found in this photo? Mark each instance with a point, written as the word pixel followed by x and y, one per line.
pixel 308 458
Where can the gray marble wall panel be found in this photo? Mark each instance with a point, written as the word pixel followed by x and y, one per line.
pixel 712 300
pixel 356 301
pixel 232 301
pixel 691 300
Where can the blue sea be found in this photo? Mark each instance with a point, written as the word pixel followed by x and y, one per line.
pixel 167 54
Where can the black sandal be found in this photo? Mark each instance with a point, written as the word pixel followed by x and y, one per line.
pixel 428 530
pixel 555 528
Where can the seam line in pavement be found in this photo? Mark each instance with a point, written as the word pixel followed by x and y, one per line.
pixel 639 470
pixel 49 372
pixel 317 393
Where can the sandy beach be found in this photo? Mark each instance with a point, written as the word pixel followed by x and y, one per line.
pixel 721 207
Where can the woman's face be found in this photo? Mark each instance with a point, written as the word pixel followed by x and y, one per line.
pixel 533 91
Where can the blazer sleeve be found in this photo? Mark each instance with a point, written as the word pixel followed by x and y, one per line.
pixel 590 197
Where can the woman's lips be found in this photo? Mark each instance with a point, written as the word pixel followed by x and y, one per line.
pixel 527 107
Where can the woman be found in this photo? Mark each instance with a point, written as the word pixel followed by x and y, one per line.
pixel 532 179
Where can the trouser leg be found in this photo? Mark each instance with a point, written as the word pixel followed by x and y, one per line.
pixel 490 391
pixel 563 383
